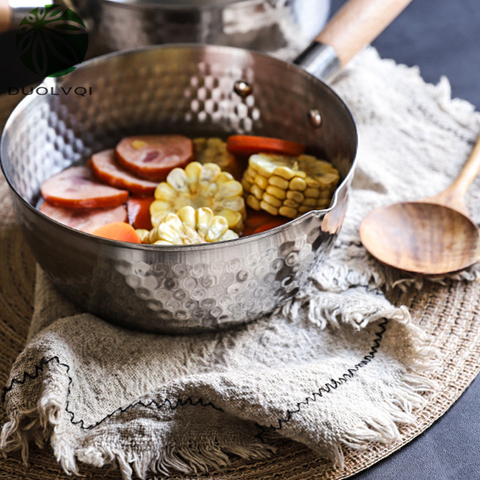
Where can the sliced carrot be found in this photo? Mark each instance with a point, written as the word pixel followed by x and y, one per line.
pixel 260 221
pixel 271 224
pixel 120 231
pixel 138 209
pixel 249 145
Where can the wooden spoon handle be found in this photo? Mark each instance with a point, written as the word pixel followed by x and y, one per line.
pixel 357 24
pixel 5 16
pixel 454 195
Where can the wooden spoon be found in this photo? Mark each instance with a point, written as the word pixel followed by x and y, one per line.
pixel 432 236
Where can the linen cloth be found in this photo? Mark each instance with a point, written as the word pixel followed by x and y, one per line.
pixel 338 366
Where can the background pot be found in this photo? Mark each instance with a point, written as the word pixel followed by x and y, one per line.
pixel 279 27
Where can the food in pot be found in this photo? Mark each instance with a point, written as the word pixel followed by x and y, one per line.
pixel 119 231
pixel 189 226
pixel 289 186
pixel 105 168
pixel 200 186
pixel 249 145
pixel 86 220
pixel 206 200
pixel 76 188
pixel 154 156
pixel 214 150
pixel 138 209
pixel 260 221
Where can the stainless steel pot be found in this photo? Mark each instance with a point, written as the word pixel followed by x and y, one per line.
pixel 280 27
pixel 193 90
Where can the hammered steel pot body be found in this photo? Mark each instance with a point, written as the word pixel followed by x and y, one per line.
pixel 280 27
pixel 189 90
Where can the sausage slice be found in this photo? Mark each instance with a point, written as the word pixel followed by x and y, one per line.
pixel 75 188
pixel 86 220
pixel 105 168
pixel 154 156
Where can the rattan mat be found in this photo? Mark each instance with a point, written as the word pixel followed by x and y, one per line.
pixel 449 313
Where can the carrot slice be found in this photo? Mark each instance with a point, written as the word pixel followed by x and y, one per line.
pixel 105 168
pixel 249 145
pixel 271 224
pixel 260 221
pixel 121 231
pixel 154 156
pixel 138 209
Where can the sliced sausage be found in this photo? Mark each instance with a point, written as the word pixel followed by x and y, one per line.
pixel 85 219
pixel 105 168
pixel 154 156
pixel 138 209
pixel 76 188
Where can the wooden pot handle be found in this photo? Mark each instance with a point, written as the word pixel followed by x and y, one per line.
pixel 357 24
pixel 5 16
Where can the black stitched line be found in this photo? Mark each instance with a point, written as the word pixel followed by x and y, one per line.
pixel 39 368
pixel 329 386
pixel 180 403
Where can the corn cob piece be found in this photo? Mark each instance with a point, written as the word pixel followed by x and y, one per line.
pixel 200 186
pixel 289 186
pixel 189 226
pixel 214 150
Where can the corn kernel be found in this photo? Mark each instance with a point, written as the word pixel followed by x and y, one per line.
pixel 257 191
pixel 261 181
pixel 218 226
pixel 310 202
pixel 165 192
pixel 187 216
pixel 312 193
pixel 295 196
pixel 234 219
pixel 252 202
pixel 290 203
pixel 276 192
pixel 143 235
pixel 279 182
pixel 287 212
pixel 178 180
pixel 158 206
pixel 271 200
pixel 268 208
pixel 304 209
pixel 297 184
pixel 284 172
pixel 230 189
pixel 203 218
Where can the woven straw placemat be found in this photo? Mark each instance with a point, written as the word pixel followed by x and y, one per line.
pixel 449 313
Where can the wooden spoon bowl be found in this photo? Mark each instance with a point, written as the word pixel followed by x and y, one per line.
pixel 421 237
pixel 433 236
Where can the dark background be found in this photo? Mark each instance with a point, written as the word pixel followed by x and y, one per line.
pixel 442 37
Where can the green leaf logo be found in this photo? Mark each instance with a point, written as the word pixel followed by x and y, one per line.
pixel 51 40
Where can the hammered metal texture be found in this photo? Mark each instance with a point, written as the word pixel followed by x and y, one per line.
pixel 278 27
pixel 184 90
